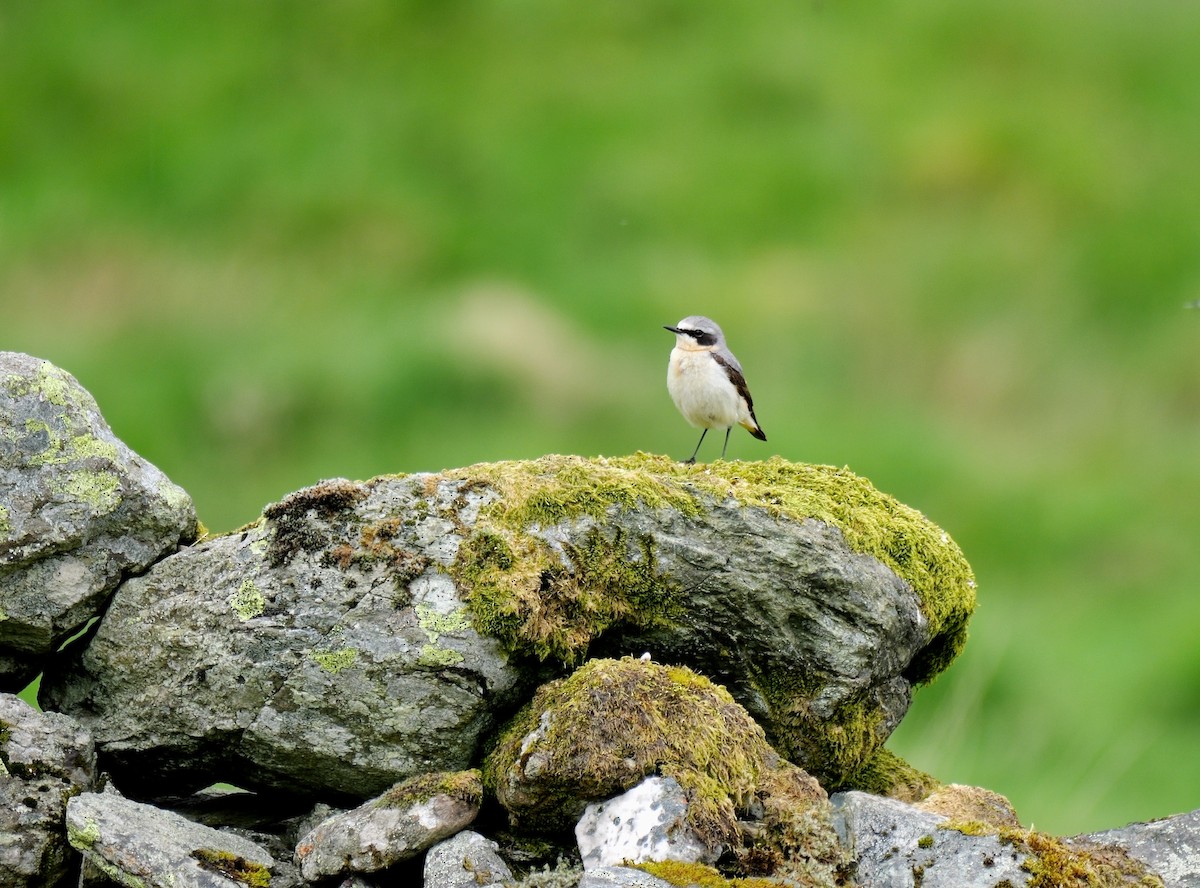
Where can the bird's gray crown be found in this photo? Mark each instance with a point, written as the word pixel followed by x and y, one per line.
pixel 703 324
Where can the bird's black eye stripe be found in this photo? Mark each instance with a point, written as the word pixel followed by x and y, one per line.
pixel 701 337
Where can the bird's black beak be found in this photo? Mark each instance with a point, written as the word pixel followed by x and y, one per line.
pixel 672 329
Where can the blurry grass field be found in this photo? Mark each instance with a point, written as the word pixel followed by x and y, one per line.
pixel 949 242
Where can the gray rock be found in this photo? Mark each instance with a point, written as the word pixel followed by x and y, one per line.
pixel 137 844
pixel 1170 847
pixel 45 758
pixel 621 877
pixel 646 823
pixel 80 510
pixel 362 633
pixel 468 860
pixel 408 819
pixel 897 845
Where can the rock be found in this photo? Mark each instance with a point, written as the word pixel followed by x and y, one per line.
pixel 80 510
pixel 280 651
pixel 621 877
pixel 399 825
pixel 896 844
pixel 45 758
pixel 137 844
pixel 1170 847
pixel 468 860
pixel 648 822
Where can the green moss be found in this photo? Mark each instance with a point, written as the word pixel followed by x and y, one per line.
pixel 685 874
pixel 886 774
pixel 296 523
pixel 247 602
pixel 234 867
pixel 1052 863
pixel 464 786
pixel 335 661
pixel 503 565
pixel 612 723
pixel 925 842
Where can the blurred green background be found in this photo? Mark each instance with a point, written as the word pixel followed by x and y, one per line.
pixel 950 242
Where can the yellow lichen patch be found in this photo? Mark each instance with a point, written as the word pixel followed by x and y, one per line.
pixel 886 774
pixel 686 874
pixel 335 661
pixel 247 602
pixel 5 521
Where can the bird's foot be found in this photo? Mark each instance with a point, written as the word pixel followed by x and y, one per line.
pixel 690 462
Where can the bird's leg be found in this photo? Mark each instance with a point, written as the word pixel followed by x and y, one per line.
pixel 692 461
pixel 726 447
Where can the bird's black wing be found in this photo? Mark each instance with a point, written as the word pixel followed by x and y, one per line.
pixel 739 382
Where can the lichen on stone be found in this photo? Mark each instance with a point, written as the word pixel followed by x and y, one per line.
pixel 247 602
pixel 99 488
pixel 335 661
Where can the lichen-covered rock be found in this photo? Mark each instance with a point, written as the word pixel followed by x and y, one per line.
pixel 467 860
pixel 648 822
pixel 406 820
pixel 360 633
pixel 78 510
pixel 1169 847
pixel 898 845
pixel 45 759
pixel 137 844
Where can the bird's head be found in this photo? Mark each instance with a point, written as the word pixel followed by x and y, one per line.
pixel 697 332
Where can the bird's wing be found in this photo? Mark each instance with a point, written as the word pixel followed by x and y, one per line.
pixel 734 371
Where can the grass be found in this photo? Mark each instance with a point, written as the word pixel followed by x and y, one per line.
pixel 949 242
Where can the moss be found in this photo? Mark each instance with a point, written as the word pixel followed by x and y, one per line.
pixel 501 566
pixel 335 661
pixel 886 774
pixel 463 786
pixel 971 803
pixel 685 874
pixel 247 602
pixel 291 521
pixel 925 842
pixel 612 723
pixel 234 867
pixel 1052 863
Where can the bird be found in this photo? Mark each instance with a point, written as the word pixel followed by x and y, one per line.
pixel 706 382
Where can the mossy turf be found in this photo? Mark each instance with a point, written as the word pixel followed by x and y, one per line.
pixel 886 774
pixel 521 592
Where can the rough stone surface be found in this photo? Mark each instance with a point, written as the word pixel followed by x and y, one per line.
pixel 399 825
pixel 45 759
pixel 621 877
pixel 899 846
pixel 78 510
pixel 277 655
pixel 468 860
pixel 648 822
pixel 1170 847
pixel 138 844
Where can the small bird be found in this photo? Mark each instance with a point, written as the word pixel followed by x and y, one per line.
pixel 706 383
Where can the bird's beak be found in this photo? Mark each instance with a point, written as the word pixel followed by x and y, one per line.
pixel 674 330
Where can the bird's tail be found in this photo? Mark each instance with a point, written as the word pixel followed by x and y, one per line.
pixel 751 425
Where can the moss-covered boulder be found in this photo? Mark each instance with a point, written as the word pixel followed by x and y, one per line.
pixel 362 632
pixel 614 723
pixel 78 510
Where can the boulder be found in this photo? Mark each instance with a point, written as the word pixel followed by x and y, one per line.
pixel 399 825
pixel 1169 847
pixel 895 844
pixel 138 844
pixel 45 759
pixel 648 822
pixel 468 860
pixel 361 633
pixel 79 511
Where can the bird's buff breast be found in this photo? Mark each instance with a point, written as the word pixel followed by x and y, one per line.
pixel 701 391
